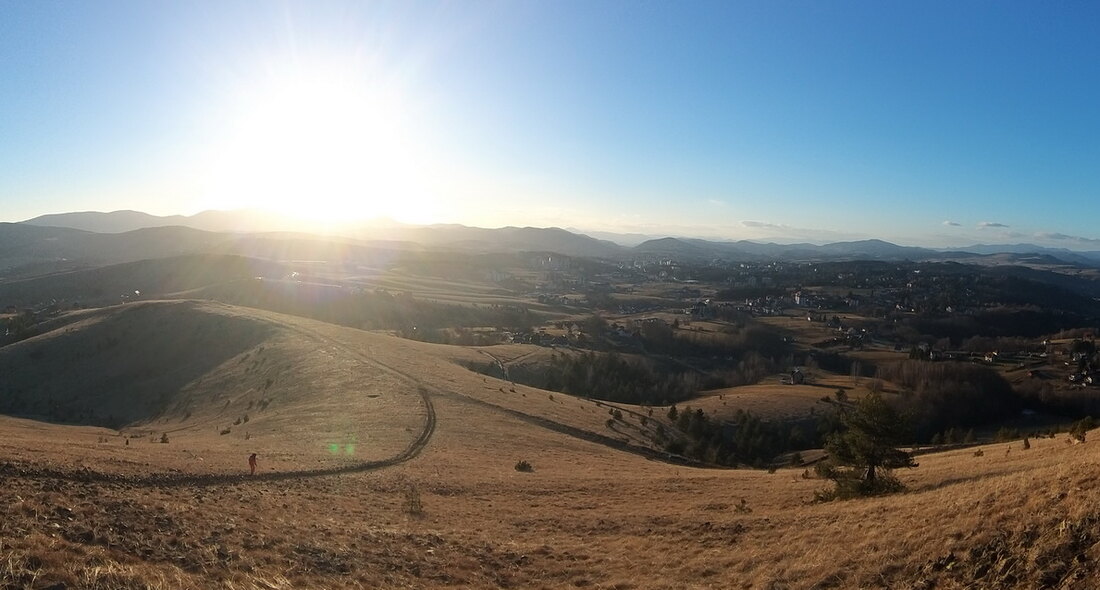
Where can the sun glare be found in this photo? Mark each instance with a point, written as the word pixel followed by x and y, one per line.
pixel 323 147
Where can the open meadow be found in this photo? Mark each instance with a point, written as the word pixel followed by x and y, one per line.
pixel 387 463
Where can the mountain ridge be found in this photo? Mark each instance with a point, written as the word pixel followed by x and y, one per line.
pixel 567 242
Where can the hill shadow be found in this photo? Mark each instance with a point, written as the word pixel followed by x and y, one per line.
pixel 122 365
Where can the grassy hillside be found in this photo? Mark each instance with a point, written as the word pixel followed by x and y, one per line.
pixel 188 369
pixel 125 365
pixel 387 463
pixel 26 250
pixel 114 284
pixel 216 381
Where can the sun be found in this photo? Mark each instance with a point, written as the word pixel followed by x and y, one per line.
pixel 321 145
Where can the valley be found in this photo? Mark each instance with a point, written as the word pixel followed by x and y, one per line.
pixel 452 425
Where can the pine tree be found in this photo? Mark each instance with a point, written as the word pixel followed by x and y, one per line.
pixel 864 452
pixel 1079 428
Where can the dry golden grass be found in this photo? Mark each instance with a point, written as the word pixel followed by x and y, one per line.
pixel 774 400
pixel 83 513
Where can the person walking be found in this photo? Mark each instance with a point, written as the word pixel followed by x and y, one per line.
pixel 252 464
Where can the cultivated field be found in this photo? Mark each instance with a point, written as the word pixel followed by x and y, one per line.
pixel 387 463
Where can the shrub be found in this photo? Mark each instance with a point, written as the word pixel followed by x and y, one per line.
pixel 1079 428
pixel 164 438
pixel 524 466
pixel 413 505
pixel 847 488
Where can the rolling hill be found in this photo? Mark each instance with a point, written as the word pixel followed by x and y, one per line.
pixel 27 251
pixel 184 369
pixel 114 222
pixel 117 283
pixel 388 463
pixel 453 236
pixel 222 231
pixel 172 365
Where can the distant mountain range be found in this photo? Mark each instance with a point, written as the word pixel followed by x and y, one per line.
pixel 462 237
pixel 696 249
pixel 116 222
pixel 122 236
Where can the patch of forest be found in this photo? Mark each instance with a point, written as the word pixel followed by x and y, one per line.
pixel 616 378
pixel 945 395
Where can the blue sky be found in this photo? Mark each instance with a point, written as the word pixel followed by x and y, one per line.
pixel 921 123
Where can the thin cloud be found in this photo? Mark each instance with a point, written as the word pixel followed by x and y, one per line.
pixel 985 224
pixel 1060 237
pixel 951 223
pixel 762 224
pixel 788 233
pixel 1053 236
pixel 716 202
